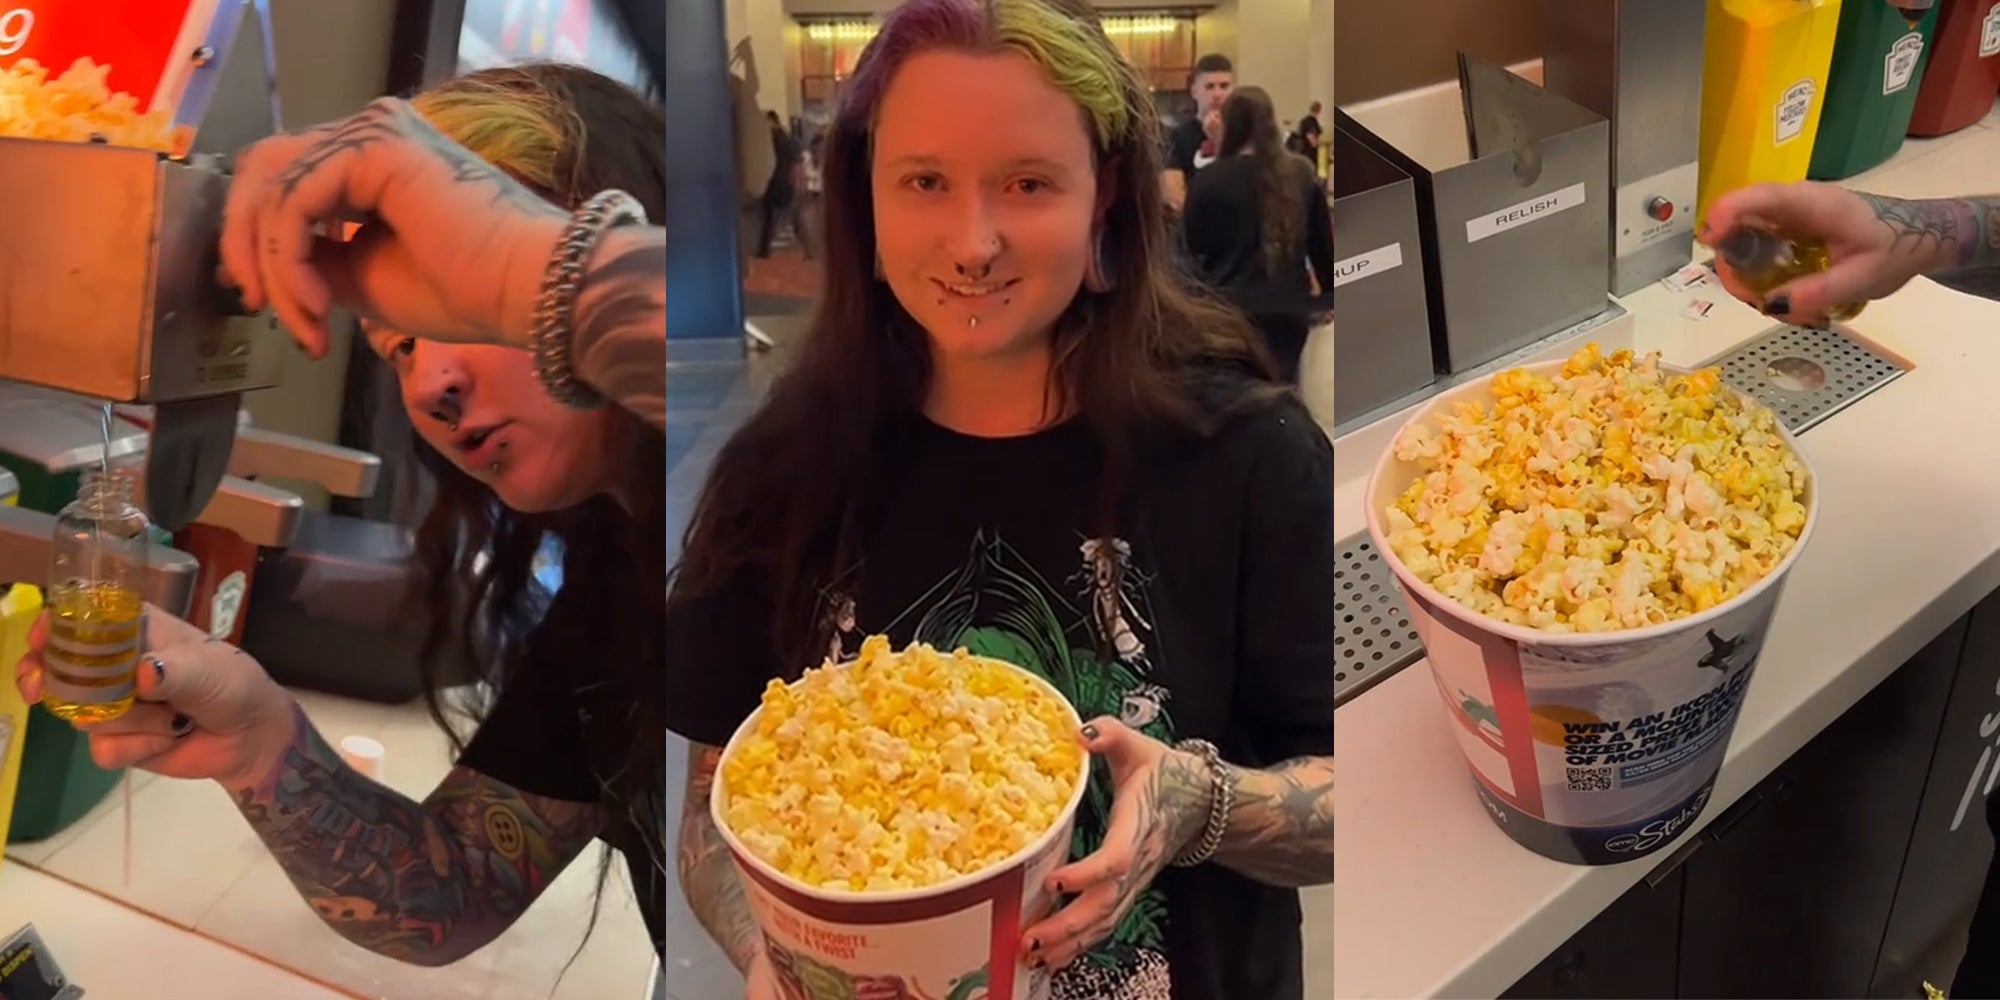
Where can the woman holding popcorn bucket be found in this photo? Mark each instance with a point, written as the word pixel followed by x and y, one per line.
pixel 1013 429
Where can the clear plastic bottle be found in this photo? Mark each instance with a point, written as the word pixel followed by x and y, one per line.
pixel 1766 261
pixel 96 609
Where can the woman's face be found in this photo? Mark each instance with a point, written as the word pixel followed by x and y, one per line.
pixel 985 195
pixel 484 408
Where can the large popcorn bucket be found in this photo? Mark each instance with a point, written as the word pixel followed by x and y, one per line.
pixel 958 940
pixel 1588 748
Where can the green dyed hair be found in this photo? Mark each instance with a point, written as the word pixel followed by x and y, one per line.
pixel 1064 40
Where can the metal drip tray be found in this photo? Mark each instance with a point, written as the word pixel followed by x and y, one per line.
pixel 1805 375
pixel 1375 637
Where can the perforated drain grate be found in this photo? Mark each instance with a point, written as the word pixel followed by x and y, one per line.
pixel 1375 637
pixel 1805 375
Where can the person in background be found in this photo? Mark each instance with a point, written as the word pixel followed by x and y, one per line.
pixel 1305 139
pixel 1013 427
pixel 1258 229
pixel 1877 246
pixel 806 213
pixel 1194 143
pixel 756 158
pixel 506 394
pixel 1309 125
pixel 782 192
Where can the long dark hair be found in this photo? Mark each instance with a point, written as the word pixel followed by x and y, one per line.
pixel 568 133
pixel 1250 127
pixel 789 496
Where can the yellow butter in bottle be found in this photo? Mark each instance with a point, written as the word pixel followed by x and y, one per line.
pixel 96 611
pixel 1765 261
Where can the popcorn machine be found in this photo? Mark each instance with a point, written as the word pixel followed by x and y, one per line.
pixel 108 264
pixel 109 279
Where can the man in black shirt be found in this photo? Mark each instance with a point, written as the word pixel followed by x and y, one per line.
pixel 1192 144
pixel 783 189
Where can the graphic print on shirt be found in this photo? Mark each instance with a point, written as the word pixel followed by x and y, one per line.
pixel 999 605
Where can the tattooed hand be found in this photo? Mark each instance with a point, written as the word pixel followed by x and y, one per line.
pixel 205 708
pixel 1159 808
pixel 760 981
pixel 447 246
pixel 1877 244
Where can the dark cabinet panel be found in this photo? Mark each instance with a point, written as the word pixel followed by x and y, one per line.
pixel 1952 847
pixel 1792 896
pixel 1627 953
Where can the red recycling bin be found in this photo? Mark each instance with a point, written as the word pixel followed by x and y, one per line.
pixel 1964 77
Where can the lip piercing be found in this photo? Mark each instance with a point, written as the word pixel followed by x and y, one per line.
pixel 974 321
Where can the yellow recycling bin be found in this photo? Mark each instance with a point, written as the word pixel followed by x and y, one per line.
pixel 1764 75
pixel 19 606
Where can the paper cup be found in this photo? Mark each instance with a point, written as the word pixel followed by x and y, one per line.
pixel 959 940
pixel 1589 748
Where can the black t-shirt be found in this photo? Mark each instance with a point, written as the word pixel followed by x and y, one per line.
pixel 556 734
pixel 1201 615
pixel 1223 229
pixel 1186 148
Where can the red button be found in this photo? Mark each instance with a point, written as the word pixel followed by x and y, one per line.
pixel 1660 209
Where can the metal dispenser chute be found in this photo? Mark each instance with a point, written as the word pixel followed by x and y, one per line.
pixel 109 270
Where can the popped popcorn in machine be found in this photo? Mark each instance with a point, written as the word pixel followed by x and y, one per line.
pixel 113 182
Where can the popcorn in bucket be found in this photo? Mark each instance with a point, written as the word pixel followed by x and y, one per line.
pixel 1591 552
pixel 895 820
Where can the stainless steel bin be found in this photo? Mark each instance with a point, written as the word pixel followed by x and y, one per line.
pixel 1382 338
pixel 1516 244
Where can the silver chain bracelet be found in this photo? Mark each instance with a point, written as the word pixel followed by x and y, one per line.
pixel 555 307
pixel 1220 801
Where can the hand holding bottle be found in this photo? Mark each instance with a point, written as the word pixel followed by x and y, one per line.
pixel 205 709
pixel 1874 245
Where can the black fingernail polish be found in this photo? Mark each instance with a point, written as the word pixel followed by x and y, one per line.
pixel 182 724
pixel 1090 733
pixel 1777 305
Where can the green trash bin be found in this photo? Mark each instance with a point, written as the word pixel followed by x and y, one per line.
pixel 46 441
pixel 1878 63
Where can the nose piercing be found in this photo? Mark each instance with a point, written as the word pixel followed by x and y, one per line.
pixel 454 427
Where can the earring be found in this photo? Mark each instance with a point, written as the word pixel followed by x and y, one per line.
pixel 1097 275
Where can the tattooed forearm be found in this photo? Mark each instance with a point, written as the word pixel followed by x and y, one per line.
pixel 708 878
pixel 1957 239
pixel 619 344
pixel 1281 826
pixel 1921 228
pixel 1972 263
pixel 389 119
pixel 427 883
